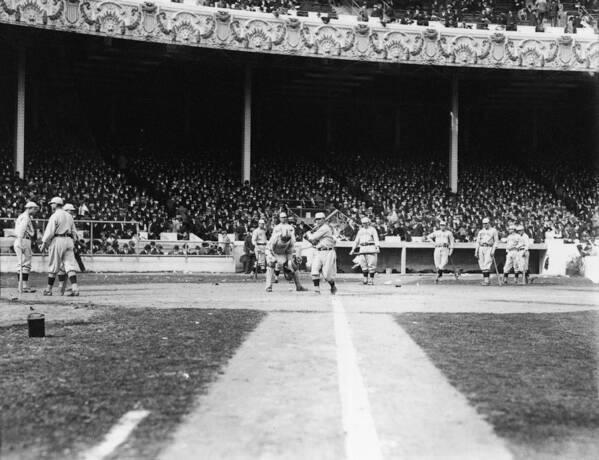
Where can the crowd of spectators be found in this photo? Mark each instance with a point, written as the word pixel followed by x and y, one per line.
pixel 461 13
pixel 202 197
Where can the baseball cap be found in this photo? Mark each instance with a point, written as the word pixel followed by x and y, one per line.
pixel 319 215
pixel 365 220
pixel 57 200
pixel 520 227
pixel 442 222
pixel 486 220
pixel 31 204
pixel 69 207
pixel 261 221
pixel 283 214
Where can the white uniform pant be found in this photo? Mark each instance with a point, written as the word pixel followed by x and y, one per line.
pixel 441 256
pixel 524 256
pixel 512 260
pixel 261 255
pixel 324 262
pixel 23 253
pixel 368 262
pixel 485 260
pixel 61 256
pixel 275 262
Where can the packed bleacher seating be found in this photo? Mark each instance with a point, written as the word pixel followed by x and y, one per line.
pixel 204 197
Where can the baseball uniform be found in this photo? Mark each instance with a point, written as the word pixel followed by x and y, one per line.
pixel 25 233
pixel 443 240
pixel 59 239
pixel 486 242
pixel 367 239
pixel 325 258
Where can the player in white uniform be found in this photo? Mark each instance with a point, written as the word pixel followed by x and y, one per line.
pixel 512 255
pixel 325 258
pixel 62 274
pixel 443 241
pixel 58 238
pixel 524 249
pixel 367 245
pixel 259 241
pixel 280 256
pixel 486 244
pixel 283 228
pixel 25 232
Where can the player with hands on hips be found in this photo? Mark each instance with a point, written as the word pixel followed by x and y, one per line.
pixel 443 241
pixel 366 246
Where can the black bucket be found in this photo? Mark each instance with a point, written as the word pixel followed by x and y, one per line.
pixel 36 324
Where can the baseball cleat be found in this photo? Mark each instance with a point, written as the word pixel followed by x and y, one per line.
pixel 47 292
pixel 301 289
pixel 268 289
pixel 437 280
pixel 333 290
pixel 27 290
pixel 74 294
pixel 276 280
pixel 371 282
pixel 316 291
pixel 365 282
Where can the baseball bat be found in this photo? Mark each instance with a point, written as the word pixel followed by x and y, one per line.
pixel 20 270
pixel 455 270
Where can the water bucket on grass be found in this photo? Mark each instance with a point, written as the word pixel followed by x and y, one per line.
pixel 36 325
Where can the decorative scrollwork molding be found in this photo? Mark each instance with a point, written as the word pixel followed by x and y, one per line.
pixel 343 38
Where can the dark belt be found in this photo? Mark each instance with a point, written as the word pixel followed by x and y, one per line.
pixel 260 244
pixel 62 235
pixel 487 245
pixel 367 244
pixel 442 246
pixel 324 249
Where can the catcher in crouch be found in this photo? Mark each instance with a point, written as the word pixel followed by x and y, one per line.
pixel 279 256
pixel 367 243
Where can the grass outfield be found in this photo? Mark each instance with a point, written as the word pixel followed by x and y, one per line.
pixel 533 376
pixel 61 394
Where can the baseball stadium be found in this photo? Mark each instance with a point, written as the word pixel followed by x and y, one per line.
pixel 286 229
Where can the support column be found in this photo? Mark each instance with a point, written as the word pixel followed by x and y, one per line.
pixel 453 141
pixel 247 126
pixel 20 115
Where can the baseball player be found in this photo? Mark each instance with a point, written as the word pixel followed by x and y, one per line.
pixel 443 241
pixel 58 238
pixel 524 249
pixel 325 258
pixel 367 244
pixel 259 241
pixel 486 244
pixel 62 275
pixel 282 228
pixel 25 232
pixel 280 256
pixel 512 254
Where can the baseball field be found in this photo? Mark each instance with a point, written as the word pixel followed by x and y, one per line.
pixel 175 366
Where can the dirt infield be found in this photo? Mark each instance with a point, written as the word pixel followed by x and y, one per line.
pixel 280 395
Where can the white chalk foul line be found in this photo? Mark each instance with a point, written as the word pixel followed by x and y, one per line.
pixel 117 435
pixel 361 438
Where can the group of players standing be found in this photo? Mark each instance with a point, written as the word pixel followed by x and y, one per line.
pixel 59 238
pixel 278 253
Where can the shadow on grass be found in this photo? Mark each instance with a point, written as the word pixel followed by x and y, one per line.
pixel 61 394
